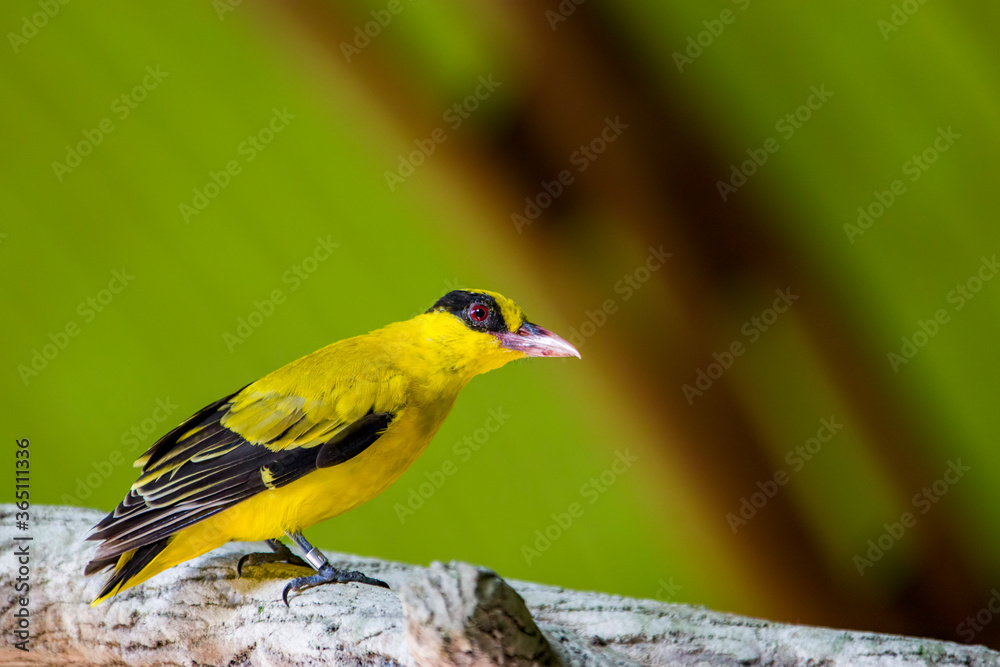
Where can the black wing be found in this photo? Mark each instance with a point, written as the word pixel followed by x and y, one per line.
pixel 204 467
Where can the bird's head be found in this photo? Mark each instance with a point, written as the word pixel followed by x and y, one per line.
pixel 493 330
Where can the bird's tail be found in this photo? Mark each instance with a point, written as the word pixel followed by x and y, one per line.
pixel 129 569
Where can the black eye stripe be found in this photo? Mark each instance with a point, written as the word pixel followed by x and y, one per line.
pixel 458 303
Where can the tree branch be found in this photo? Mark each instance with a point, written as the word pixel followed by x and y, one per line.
pixel 455 614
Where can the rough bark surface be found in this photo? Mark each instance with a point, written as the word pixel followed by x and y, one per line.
pixel 199 613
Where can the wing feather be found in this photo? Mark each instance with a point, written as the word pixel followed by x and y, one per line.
pixel 231 450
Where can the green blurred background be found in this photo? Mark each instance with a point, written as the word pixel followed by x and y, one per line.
pixel 121 121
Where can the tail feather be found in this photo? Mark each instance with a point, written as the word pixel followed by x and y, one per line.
pixel 99 565
pixel 128 566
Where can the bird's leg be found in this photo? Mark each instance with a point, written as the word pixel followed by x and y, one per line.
pixel 325 573
pixel 281 554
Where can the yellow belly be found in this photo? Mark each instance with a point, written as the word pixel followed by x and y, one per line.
pixel 328 492
pixel 319 495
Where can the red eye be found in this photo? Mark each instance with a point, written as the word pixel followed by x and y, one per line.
pixel 478 312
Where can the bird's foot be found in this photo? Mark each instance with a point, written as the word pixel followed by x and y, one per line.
pixel 328 575
pixel 281 554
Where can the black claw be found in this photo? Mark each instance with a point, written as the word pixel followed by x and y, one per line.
pixel 239 564
pixel 328 575
pixel 362 579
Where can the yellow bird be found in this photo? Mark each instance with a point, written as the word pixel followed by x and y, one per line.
pixel 309 441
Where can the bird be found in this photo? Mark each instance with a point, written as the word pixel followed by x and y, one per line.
pixel 307 442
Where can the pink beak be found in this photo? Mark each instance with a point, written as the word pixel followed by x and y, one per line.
pixel 535 341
